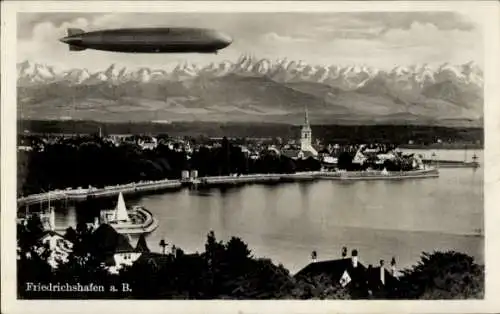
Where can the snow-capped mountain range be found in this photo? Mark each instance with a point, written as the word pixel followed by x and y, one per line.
pixel 284 70
pixel 259 88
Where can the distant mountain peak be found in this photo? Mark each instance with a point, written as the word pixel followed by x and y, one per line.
pixel 254 89
pixel 351 77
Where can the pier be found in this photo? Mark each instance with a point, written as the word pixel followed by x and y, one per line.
pixel 149 186
pixel 108 191
pixel 451 163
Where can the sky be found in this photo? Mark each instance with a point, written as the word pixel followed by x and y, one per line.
pixel 378 39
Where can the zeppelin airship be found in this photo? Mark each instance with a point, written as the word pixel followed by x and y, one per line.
pixel 148 40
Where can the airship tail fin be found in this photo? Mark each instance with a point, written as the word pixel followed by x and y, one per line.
pixel 75 31
pixel 76 48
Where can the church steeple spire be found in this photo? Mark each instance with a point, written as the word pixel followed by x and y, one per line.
pixel 306 117
pixel 306 135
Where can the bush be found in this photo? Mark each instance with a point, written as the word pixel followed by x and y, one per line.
pixel 444 275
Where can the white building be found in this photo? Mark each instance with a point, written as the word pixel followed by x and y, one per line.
pixel 124 255
pixel 56 247
pixel 306 137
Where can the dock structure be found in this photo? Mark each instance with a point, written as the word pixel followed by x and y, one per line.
pixel 260 178
pixel 379 175
pixel 255 178
pixel 137 220
pixel 42 197
pixel 452 163
pixel 148 186
pixel 108 191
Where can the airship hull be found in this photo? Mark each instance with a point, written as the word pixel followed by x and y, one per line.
pixel 147 40
pixel 141 48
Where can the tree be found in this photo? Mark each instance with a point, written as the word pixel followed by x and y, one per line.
pixel 319 287
pixel 71 235
pixel 237 250
pixel 28 235
pixel 444 275
pixel 287 165
pixel 214 250
pixel 344 161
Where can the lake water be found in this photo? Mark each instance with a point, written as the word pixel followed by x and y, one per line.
pixel 448 154
pixel 287 221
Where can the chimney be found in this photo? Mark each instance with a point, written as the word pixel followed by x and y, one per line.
pixel 354 258
pixel 344 252
pixel 393 266
pixel 382 271
pixel 314 256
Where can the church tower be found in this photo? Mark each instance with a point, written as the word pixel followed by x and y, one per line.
pixel 306 134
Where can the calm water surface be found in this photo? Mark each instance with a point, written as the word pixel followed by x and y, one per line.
pixel 285 222
pixel 449 154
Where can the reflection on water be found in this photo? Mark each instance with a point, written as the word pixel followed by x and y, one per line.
pixel 287 221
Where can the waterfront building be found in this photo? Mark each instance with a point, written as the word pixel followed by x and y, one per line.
pixel 147 143
pixel 24 148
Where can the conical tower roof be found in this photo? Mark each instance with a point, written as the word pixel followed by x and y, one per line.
pixel 121 209
pixel 306 125
pixel 306 117
pixel 142 246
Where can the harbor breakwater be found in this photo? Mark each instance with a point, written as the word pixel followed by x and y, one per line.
pixel 149 224
pixel 451 163
pixel 160 185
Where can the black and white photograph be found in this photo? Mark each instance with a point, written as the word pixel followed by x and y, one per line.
pixel 243 155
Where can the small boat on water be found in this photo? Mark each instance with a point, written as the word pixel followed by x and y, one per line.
pixel 136 220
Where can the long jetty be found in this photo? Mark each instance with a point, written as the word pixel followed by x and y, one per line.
pixel 451 163
pixel 108 191
pixel 149 186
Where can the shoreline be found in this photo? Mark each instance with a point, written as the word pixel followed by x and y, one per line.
pixel 156 186
pixel 450 146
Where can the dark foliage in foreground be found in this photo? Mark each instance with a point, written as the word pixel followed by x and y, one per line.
pixel 444 275
pixel 229 271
